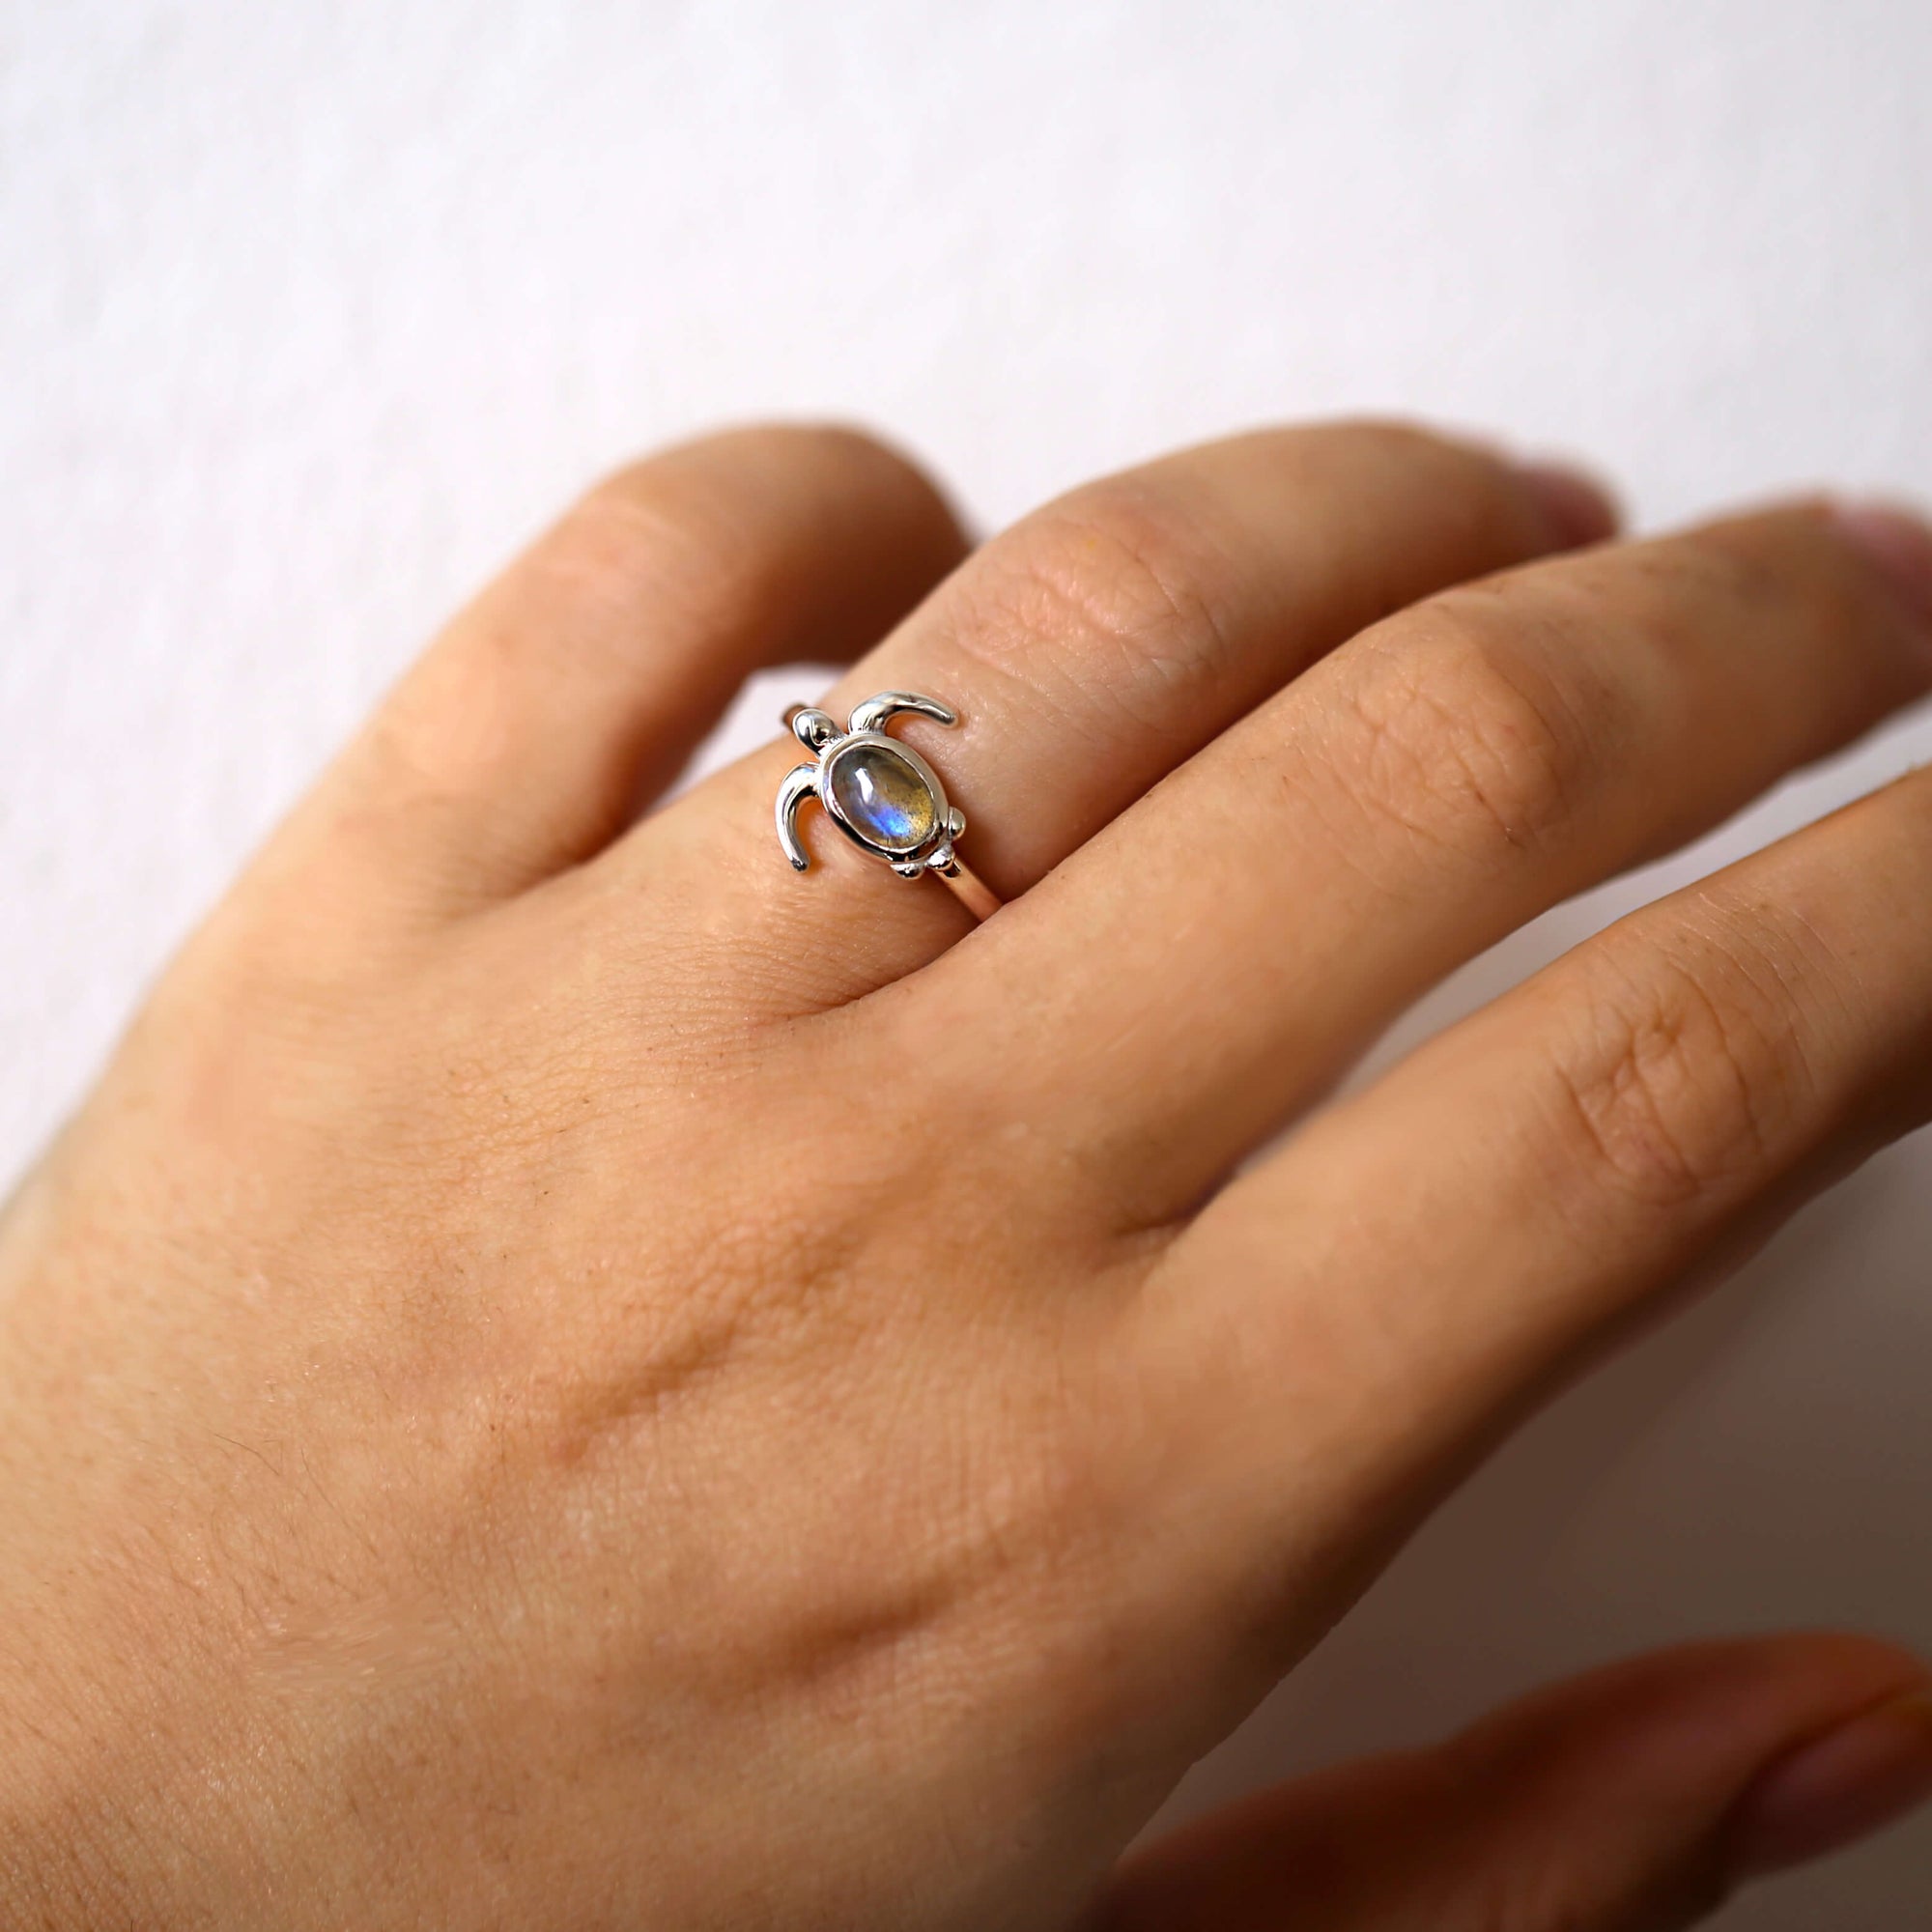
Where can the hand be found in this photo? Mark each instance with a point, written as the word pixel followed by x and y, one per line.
pixel 573 1376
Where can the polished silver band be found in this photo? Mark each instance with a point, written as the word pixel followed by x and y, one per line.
pixel 969 888
pixel 880 793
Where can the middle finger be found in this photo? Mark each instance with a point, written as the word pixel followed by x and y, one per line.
pixel 1413 799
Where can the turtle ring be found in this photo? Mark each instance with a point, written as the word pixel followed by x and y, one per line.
pixel 880 793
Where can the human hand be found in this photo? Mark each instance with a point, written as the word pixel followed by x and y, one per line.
pixel 572 1376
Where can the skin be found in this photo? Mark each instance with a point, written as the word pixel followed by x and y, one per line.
pixel 570 1376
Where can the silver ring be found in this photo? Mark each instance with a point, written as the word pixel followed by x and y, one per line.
pixel 880 793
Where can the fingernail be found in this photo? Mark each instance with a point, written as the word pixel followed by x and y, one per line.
pixel 1581 508
pixel 1899 545
pixel 1837 1789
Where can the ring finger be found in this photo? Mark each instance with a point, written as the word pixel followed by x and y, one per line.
pixel 1102 640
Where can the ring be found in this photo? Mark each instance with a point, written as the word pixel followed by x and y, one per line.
pixel 881 794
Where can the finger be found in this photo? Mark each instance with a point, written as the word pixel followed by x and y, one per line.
pixel 1097 643
pixel 1415 798
pixel 578 683
pixel 1516 1190
pixel 1633 1799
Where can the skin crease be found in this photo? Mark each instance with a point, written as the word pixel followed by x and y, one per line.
pixel 568 1377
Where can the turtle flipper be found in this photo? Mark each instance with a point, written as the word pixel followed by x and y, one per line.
pixel 875 714
pixel 801 782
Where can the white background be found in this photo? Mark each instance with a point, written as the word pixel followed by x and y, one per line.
pixel 309 311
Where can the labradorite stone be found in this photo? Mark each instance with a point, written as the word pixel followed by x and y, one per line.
pixel 880 795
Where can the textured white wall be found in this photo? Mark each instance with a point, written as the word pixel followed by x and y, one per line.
pixel 309 312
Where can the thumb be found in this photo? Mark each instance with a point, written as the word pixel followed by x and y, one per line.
pixel 1633 1799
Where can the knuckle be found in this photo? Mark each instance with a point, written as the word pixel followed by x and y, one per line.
pixel 640 550
pixel 1397 439
pixel 1752 567
pixel 1689 1063
pixel 1539 1884
pixel 684 523
pixel 643 533
pixel 1544 1888
pixel 817 444
pixel 1534 1891
pixel 719 535
pixel 753 451
pixel 828 457
pixel 1460 736
pixel 1111 582
pixel 1656 600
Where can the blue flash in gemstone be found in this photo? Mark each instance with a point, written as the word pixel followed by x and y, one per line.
pixel 880 794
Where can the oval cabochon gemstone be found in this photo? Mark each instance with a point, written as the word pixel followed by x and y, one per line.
pixel 880 795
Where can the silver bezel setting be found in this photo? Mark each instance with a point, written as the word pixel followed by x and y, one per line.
pixel 819 733
pixel 828 795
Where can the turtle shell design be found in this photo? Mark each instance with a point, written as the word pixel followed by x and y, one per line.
pixel 880 793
